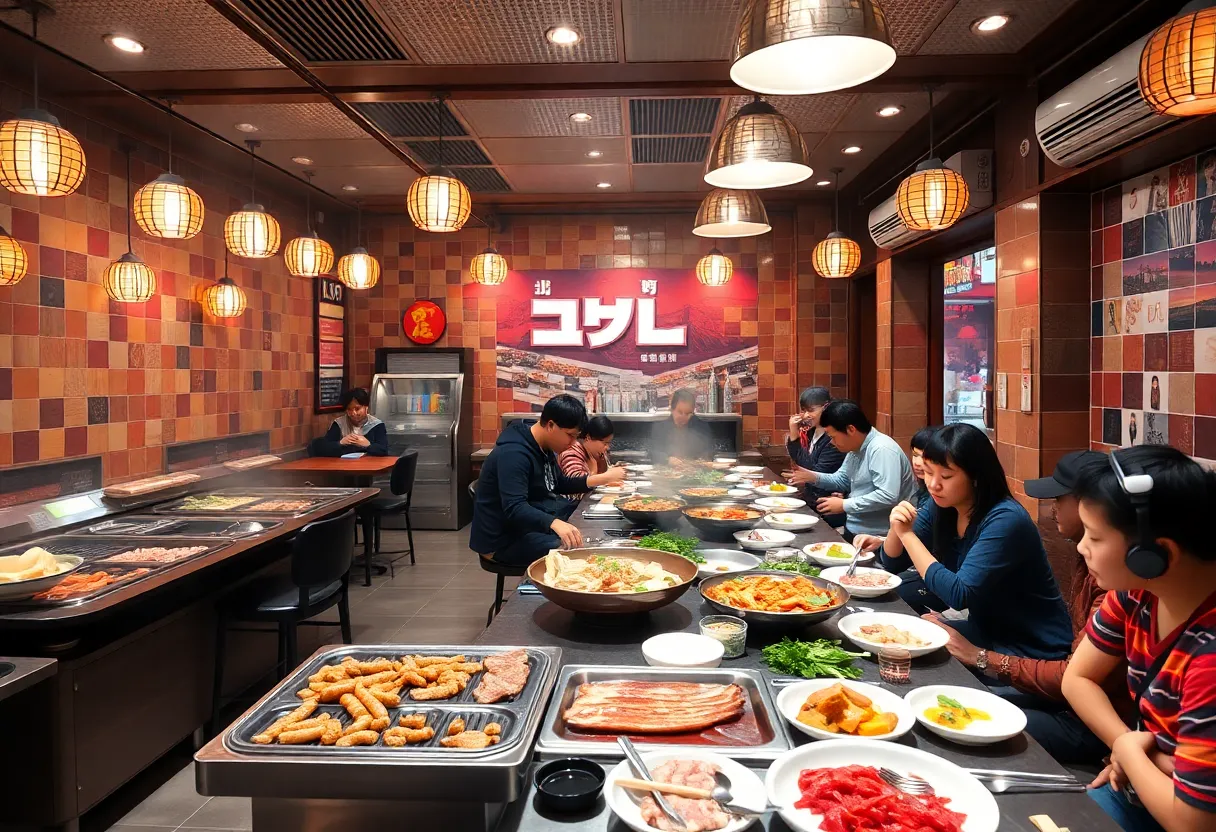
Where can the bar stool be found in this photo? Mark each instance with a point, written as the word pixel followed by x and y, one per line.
pixel 397 501
pixel 503 571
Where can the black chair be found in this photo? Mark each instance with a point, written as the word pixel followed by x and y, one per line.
pixel 503 571
pixel 321 555
pixel 396 501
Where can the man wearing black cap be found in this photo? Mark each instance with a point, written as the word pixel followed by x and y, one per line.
pixel 1035 684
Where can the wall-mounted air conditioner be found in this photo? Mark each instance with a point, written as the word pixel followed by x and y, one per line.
pixel 888 230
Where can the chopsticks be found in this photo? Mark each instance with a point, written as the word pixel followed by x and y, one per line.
pixel 1028 776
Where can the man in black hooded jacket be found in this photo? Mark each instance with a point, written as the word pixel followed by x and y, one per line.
pixel 518 515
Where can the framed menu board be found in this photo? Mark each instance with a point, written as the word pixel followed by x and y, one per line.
pixel 330 317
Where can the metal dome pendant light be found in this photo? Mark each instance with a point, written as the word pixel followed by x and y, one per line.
pixel 129 279
pixel 439 201
pixel 37 156
pixel 715 268
pixel 757 148
pixel 166 207
pixel 359 270
pixel 934 197
pixel 836 255
pixel 800 47
pixel 223 298
pixel 251 232
pixel 13 261
pixel 727 213
pixel 1178 65
pixel 309 255
pixel 488 268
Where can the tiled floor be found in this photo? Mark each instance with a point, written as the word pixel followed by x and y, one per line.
pixel 441 599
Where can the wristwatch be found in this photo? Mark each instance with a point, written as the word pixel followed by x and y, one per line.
pixel 981 659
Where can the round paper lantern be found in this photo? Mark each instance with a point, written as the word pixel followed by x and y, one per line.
pixel 359 270
pixel 731 213
pixel 438 202
pixel 129 280
pixel 38 157
pixel 13 262
pixel 932 198
pixel 308 256
pixel 224 299
pixel 489 268
pixel 251 232
pixel 757 148
pixel 167 208
pixel 715 268
pixel 1178 65
pixel 837 256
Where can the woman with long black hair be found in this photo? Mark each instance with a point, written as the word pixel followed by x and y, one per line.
pixel 975 549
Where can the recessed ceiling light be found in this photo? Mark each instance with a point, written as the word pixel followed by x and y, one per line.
pixel 246 127
pixel 603 184
pixel 851 149
pixel 594 154
pixel 990 23
pixel 890 110
pixel 581 118
pixel 301 160
pixel 563 36
pixel 350 187
pixel 124 44
pixel 824 183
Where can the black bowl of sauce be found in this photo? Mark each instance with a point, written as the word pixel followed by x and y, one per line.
pixel 570 785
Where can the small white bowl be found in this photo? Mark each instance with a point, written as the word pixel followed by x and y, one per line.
pixel 739 493
pixel 781 503
pixel 818 553
pixel 758 475
pixel 637 466
pixel 790 521
pixel 772 538
pixel 783 491
pixel 934 636
pixel 834 574
pixel 791 699
pixel 730 460
pixel 747 469
pixel 733 478
pixel 1007 721
pixel 682 650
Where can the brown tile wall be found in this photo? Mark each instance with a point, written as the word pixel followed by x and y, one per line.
pixel 903 348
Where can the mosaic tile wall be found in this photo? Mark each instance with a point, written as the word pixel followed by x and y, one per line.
pixel 800 323
pixel 1153 310
pixel 81 375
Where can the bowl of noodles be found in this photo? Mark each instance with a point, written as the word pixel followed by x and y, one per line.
pixel 648 510
pixel 773 597
pixel 604 579
pixel 721 520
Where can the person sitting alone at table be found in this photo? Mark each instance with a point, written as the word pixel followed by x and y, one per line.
pixel 986 559
pixel 1147 515
pixel 875 474
pixel 517 513
pixel 355 431
pixel 683 436
pixel 589 453
pixel 810 448
pixel 920 441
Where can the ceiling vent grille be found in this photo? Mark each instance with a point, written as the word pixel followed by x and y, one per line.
pixel 672 116
pixel 455 152
pixel 676 150
pixel 325 31
pixel 410 118
pixel 482 180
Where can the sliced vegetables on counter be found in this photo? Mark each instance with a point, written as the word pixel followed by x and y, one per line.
pixel 812 659
pixel 674 543
pixel 795 566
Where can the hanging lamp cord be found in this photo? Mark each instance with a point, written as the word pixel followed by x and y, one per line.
pixel 308 202
pixel 129 211
pixel 170 106
pixel 930 89
pixel 253 175
pixel 34 30
pixel 439 125
pixel 837 189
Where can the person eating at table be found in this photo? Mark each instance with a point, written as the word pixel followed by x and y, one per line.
pixel 683 436
pixel 987 558
pixel 355 431
pixel 517 513
pixel 920 441
pixel 810 448
pixel 1147 517
pixel 589 453
pixel 875 473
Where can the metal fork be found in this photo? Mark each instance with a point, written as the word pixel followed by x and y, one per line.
pixel 852 570
pixel 996 785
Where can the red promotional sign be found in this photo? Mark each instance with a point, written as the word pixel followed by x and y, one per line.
pixel 424 322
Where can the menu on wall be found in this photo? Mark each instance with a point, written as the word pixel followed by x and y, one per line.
pixel 53 479
pixel 331 344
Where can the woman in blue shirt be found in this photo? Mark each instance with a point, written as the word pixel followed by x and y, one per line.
pixel 986 558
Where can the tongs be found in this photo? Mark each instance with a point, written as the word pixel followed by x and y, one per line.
pixel 639 768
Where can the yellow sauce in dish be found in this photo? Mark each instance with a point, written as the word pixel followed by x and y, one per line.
pixel 956 719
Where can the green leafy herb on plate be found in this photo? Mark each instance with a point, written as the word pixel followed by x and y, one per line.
pixel 674 543
pixel 795 566
pixel 812 659
pixel 947 702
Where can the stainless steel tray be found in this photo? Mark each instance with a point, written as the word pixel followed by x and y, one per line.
pixel 200 527
pixel 317 498
pixel 768 740
pixel 233 764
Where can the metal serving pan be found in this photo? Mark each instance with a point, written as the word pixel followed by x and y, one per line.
pixel 312 499
pixel 759 735
pixel 233 764
pixel 787 619
pixel 148 524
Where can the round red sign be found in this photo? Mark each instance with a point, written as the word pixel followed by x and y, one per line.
pixel 424 322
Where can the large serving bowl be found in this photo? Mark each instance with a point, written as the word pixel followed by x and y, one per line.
pixel 617 602
pixel 17 590
pixel 718 494
pixel 722 529
pixel 648 517
pixel 792 619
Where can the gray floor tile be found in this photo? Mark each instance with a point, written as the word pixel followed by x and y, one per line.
pixel 424 575
pixel 125 827
pixel 429 630
pixel 458 602
pixel 232 813
pixel 390 602
pixel 170 805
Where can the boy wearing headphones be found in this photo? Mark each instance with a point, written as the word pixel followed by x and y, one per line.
pixel 1146 512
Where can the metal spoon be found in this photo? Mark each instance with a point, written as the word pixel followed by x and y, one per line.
pixel 722 796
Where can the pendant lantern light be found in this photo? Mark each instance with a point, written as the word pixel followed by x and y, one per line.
pixel 224 299
pixel 129 279
pixel 309 255
pixel 731 213
pixel 715 268
pixel 37 156
pixel 166 207
pixel 1178 65
pixel 488 268
pixel 439 201
pixel 251 232
pixel 934 197
pixel 359 270
pixel 13 261
pixel 837 255
pixel 757 148
pixel 800 47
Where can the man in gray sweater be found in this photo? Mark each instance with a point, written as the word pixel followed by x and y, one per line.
pixel 876 474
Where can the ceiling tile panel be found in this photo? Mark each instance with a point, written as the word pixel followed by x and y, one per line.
pixel 863 114
pixel 669 179
pixel 482 180
pixel 370 181
pixel 810 113
pixel 672 116
pixel 681 30
pixel 176 34
pixel 505 31
pixel 827 154
pixel 451 152
pixel 322 31
pixel 411 118
pixel 557 151
pixel 274 121
pixel 670 149
pixel 911 21
pixel 1029 18
pixel 327 153
pixel 567 179
pixel 542 117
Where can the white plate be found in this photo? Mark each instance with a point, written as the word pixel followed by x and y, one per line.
pixel 635 466
pixel 781 503
pixel 772 538
pixel 783 491
pixel 747 469
pixel 730 460
pixel 682 650
pixel 622 488
pixel 739 492
pixel 759 475
pixel 789 521
pixel 745 786
pixel 1007 719
pixel 966 794
pixel 924 630
pixel 16 590
pixel 734 478
pixel 789 703
pixel 725 561
pixel 816 552
pixel 834 574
